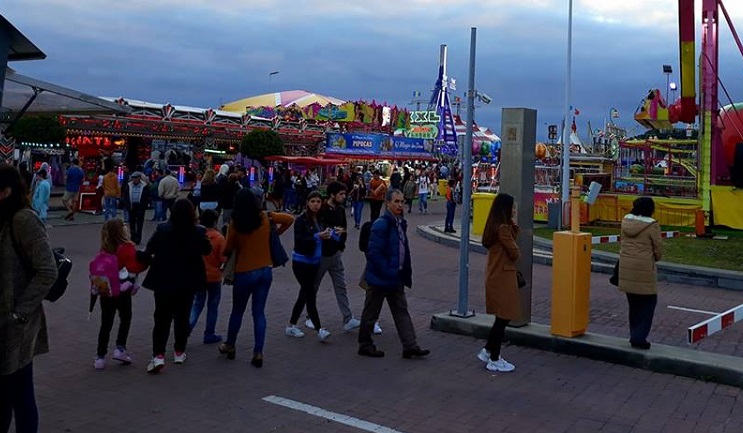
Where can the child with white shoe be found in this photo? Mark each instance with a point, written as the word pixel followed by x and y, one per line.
pixel 115 242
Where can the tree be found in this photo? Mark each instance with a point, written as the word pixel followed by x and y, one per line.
pixel 260 143
pixel 38 129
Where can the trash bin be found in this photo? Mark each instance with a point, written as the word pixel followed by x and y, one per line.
pixel 442 187
pixel 553 215
pixel 481 203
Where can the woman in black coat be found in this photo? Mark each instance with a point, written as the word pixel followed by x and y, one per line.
pixel 177 270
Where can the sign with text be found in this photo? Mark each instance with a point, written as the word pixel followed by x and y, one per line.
pixel 381 145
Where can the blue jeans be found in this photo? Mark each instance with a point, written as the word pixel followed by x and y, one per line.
pixel 358 207
pixel 160 210
pixel 290 198
pixel 423 204
pixel 17 397
pixel 212 291
pixel 109 207
pixel 254 283
pixel 450 208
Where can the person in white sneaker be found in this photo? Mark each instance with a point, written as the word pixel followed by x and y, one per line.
pixel 177 270
pixel 333 214
pixel 501 283
pixel 115 240
pixel 308 237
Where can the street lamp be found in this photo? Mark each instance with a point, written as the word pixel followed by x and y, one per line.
pixel 673 88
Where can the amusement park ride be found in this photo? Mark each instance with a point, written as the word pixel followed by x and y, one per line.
pixel 694 181
pixel 719 161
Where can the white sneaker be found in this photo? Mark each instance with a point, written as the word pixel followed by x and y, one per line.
pixel 352 324
pixel 293 331
pixel 377 328
pixel 500 365
pixel 484 355
pixel 99 363
pixel 308 324
pixel 122 356
pixel 156 364
pixel 179 358
pixel 323 334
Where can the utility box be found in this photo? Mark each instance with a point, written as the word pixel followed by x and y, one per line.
pixel 571 283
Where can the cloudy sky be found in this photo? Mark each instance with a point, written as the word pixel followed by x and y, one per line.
pixel 206 52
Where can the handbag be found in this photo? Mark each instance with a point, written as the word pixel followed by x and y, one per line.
pixel 229 269
pixel 614 279
pixel 520 280
pixel 278 253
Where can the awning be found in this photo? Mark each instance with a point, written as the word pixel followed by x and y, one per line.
pixel 20 47
pixel 307 160
pixel 46 98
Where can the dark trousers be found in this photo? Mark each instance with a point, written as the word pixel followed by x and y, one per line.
pixel 451 207
pixel 495 338
pixel 409 202
pixel 109 307
pixel 306 274
pixel 375 207
pixel 17 398
pixel 136 221
pixel 641 311
pixel 172 307
pixel 169 202
pixel 398 303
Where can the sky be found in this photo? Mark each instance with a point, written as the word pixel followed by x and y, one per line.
pixel 204 53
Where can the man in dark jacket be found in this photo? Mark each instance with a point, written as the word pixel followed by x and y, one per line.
pixel 388 272
pixel 333 215
pixel 134 198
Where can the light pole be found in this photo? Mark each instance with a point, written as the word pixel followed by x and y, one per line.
pixel 565 185
pixel 673 86
pixel 464 239
pixel 668 70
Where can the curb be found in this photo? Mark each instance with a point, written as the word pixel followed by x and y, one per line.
pixel 603 262
pixel 661 358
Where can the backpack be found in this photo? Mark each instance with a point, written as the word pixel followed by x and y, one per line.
pixel 364 236
pixel 104 275
pixel 64 266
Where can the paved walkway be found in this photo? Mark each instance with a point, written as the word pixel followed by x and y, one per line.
pixel 449 391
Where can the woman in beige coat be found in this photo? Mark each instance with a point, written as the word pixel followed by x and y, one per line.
pixel 639 250
pixel 501 284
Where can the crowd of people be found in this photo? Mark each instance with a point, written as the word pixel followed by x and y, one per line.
pixel 189 257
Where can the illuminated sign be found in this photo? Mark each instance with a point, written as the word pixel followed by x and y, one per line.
pixel 428 132
pixel 424 117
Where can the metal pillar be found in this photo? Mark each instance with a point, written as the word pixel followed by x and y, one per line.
pixel 464 239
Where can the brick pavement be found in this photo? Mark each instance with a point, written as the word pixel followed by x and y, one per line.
pixel 450 391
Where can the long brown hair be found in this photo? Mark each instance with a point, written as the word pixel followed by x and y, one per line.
pixel 500 213
pixel 113 234
pixel 18 198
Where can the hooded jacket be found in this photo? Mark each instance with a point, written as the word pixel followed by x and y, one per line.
pixel 640 248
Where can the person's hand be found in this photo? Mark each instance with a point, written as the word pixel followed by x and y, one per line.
pixel 325 234
pixel 340 230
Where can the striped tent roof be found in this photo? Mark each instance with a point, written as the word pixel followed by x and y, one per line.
pixel 301 98
pixel 479 133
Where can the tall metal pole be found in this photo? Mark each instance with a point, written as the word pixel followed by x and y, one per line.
pixel 565 196
pixel 464 242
